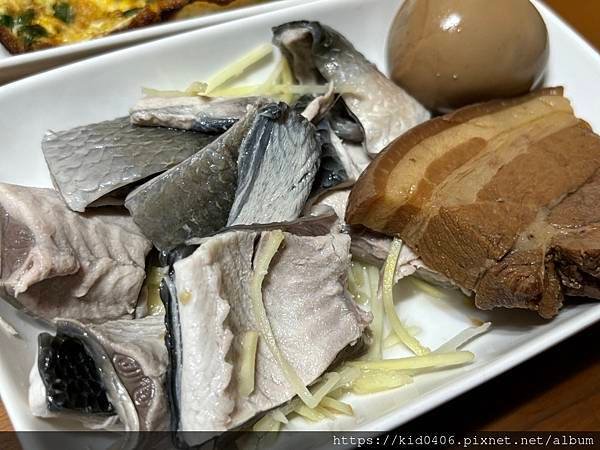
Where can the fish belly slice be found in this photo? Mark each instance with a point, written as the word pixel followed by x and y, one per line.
pixel 384 110
pixel 91 372
pixel 277 164
pixel 207 115
pixel 312 317
pixel 56 263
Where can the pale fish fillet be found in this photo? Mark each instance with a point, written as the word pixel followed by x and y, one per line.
pixel 204 114
pixel 316 51
pixel 311 314
pixel 58 263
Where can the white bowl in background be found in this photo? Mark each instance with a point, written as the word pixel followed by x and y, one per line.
pixel 13 67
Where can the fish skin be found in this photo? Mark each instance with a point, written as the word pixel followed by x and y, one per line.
pixel 278 161
pixel 344 125
pixel 140 345
pixel 384 110
pixel 332 173
pixel 193 198
pixel 130 359
pixel 195 113
pixel 88 162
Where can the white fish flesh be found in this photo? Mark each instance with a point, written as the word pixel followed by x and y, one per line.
pixel 56 263
pixel 318 52
pixel 203 114
pixel 209 309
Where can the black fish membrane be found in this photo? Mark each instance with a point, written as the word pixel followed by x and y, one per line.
pixel 71 377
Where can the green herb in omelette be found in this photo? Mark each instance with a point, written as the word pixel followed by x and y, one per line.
pixel 25 18
pixel 131 12
pixel 30 33
pixel 63 11
pixel 6 21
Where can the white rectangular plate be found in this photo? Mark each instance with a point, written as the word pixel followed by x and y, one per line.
pixel 13 67
pixel 107 86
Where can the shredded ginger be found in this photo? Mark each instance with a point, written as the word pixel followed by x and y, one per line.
pixel 462 338
pixel 279 84
pixel 237 68
pixel 430 360
pixel 153 280
pixel 287 78
pixel 388 301
pixel 428 288
pixel 267 248
pixel 392 339
pixel 380 380
pixel 363 284
pixel 272 90
pixel 336 406
pixel 247 365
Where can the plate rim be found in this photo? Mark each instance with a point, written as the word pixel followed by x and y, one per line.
pixel 141 35
pixel 424 402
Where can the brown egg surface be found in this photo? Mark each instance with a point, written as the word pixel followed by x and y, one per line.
pixel 450 53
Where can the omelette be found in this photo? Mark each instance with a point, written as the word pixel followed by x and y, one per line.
pixel 27 25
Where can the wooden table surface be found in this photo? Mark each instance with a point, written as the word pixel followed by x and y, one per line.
pixel 558 390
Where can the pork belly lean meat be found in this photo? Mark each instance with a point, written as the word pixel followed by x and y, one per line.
pixel 501 197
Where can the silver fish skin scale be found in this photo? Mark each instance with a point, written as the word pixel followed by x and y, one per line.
pixel 278 161
pixel 87 163
pixel 192 199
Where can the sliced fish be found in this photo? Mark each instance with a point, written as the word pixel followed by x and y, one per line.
pixel 316 51
pixel 352 156
pixel 316 223
pixel 344 125
pixel 58 263
pixel 333 167
pixel 332 173
pixel 277 164
pixel 209 309
pixel 196 113
pixel 101 373
pixel 192 199
pixel 90 162
pixel 341 162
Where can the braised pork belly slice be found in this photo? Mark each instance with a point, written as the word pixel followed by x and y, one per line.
pixel 500 197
